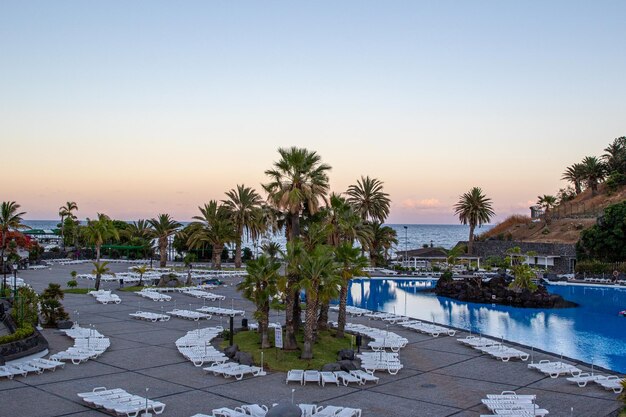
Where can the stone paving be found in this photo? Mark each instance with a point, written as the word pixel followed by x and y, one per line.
pixel 441 377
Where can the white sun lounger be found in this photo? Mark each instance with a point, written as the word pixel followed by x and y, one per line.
pixel 295 375
pixel 511 395
pixel 611 382
pixel 309 410
pixel 555 369
pixel 255 410
pixel 364 376
pixel 228 412
pixel 585 377
pixel 328 378
pixel 347 378
pixel 311 376
pixel 238 372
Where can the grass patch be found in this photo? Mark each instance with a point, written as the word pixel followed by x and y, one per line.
pixel 324 351
pixel 132 288
pixel 76 290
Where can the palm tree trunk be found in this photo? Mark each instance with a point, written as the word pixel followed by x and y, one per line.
pixel 163 251
pixel 297 310
pixel 238 249
pixel 97 282
pixel 290 330
pixel 309 325
pixel 216 261
pixel 343 301
pixel 322 319
pixel 140 280
pixel 62 233
pixel 98 253
pixel 295 226
pixel 470 242
pixel 263 325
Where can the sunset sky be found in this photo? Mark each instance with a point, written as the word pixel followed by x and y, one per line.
pixel 134 108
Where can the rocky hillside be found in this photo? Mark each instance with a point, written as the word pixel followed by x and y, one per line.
pixel 562 224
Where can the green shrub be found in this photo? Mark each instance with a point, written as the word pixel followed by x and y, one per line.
pixel 594 267
pixel 26 308
pixel 614 181
pixel 21 333
pixel 72 283
pixel 446 276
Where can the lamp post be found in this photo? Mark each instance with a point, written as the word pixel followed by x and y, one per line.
pixel 406 245
pixel 15 281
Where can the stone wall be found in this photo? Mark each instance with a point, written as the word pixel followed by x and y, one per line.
pixel 562 265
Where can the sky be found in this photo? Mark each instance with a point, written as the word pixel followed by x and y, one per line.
pixel 146 107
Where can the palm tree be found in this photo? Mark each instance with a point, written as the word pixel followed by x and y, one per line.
pixel 214 226
pixel 615 155
pixel 271 249
pixel 345 223
pixel 548 202
pixel 473 208
pixel 259 286
pixel 97 232
pixel 99 269
pixel 243 204
pixel 140 269
pixel 10 219
pixel 352 264
pixel 381 240
pixel 315 267
pixel 576 175
pixel 66 212
pixel 140 233
pixel 292 257
pixel 297 182
pixel 595 171
pixel 369 199
pixel 162 228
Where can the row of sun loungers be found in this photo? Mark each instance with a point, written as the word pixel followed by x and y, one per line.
pixel 154 295
pixel 555 369
pixel 508 403
pixel 608 382
pixel 88 344
pixel 494 348
pixel 233 369
pixel 189 314
pixel 308 410
pixel 255 326
pixel 37 366
pixel 322 378
pixel 380 361
pixel 427 328
pixel 353 311
pixel 148 316
pixel 382 339
pixel 121 402
pixel 204 295
pixel 196 346
pixel 222 311
pixel 105 297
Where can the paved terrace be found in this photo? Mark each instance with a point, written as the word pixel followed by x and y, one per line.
pixel 441 377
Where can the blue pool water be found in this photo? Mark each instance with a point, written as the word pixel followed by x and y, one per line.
pixel 592 332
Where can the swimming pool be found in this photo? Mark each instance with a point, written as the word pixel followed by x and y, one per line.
pixel 592 332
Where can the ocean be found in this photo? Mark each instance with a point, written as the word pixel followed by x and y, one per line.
pixel 413 237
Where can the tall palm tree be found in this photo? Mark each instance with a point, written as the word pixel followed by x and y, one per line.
pixel 595 171
pixel 97 232
pixel 352 264
pixel 315 267
pixel 297 183
pixel 66 212
pixel 259 286
pixel 215 227
pixel 380 241
pixel 140 233
pixel 99 269
pixel 576 175
pixel 615 155
pixel 369 199
pixel 243 203
pixel 10 219
pixel 475 209
pixel 162 228
pixel 292 257
pixel 548 202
